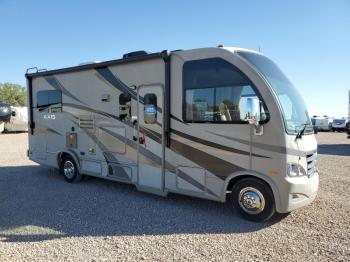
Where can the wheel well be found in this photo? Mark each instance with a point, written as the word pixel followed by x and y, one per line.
pixel 60 156
pixel 234 180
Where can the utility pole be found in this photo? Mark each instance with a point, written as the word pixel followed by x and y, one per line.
pixel 349 106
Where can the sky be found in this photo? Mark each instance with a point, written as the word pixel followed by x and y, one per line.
pixel 309 40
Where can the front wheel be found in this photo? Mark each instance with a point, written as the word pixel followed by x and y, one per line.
pixel 69 170
pixel 253 199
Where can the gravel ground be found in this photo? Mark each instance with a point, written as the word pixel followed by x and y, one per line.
pixel 43 218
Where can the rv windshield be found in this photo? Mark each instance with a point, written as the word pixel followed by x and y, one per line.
pixel 339 121
pixel 294 110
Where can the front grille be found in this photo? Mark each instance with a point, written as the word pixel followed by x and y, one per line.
pixel 311 160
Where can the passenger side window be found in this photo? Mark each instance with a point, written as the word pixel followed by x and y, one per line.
pixel 215 91
pixel 49 101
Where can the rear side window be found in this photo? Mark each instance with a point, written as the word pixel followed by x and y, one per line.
pixel 124 107
pixel 49 101
pixel 216 91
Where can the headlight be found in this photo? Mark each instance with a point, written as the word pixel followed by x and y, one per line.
pixel 295 170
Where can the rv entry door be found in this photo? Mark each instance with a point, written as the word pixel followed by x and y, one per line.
pixel 150 136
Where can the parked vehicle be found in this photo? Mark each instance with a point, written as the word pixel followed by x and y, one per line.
pixel 18 121
pixel 313 122
pixel 5 115
pixel 340 124
pixel 324 123
pixel 215 123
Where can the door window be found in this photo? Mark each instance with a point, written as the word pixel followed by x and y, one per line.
pixel 150 108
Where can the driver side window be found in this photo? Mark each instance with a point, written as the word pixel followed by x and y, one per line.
pixel 215 91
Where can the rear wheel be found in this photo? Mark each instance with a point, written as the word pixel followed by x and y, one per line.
pixel 69 170
pixel 253 199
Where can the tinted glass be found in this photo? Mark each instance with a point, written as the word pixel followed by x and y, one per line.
pixel 54 97
pixel 124 107
pixel 49 97
pixel 124 98
pixel 292 104
pixel 215 91
pixel 211 73
pixel 150 108
pixel 339 121
pixel 150 99
pixel 200 105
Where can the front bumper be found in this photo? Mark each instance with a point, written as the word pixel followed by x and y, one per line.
pixel 301 191
pixel 339 127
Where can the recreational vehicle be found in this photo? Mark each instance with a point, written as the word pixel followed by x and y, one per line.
pixel 222 124
pixel 313 122
pixel 18 121
pixel 339 124
pixel 324 123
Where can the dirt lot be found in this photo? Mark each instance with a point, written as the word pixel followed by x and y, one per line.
pixel 44 218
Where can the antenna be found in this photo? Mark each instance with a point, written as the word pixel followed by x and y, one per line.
pixel 259 49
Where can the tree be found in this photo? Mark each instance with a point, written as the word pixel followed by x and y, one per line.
pixel 13 94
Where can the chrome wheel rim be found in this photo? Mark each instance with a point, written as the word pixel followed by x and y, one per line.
pixel 251 200
pixel 68 169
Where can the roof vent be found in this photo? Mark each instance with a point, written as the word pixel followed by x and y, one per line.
pixel 136 53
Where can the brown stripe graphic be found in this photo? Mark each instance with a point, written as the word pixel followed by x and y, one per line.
pixel 157 160
pixel 194 182
pixel 215 165
pixel 214 145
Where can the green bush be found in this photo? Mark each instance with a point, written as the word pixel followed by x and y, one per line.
pixel 13 94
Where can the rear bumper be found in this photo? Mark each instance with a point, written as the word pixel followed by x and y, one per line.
pixel 301 191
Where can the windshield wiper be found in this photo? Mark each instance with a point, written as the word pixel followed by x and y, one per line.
pixel 301 132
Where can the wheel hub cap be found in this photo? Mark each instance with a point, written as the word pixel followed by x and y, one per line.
pixel 251 200
pixel 68 169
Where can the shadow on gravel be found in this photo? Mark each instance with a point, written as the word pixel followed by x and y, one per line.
pixel 37 205
pixel 334 149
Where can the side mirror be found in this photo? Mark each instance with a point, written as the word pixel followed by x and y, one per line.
pixel 13 113
pixel 150 114
pixel 253 110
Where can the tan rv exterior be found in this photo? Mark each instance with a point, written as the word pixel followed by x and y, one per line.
pixel 179 122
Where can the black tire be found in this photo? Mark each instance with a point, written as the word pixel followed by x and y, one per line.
pixel 267 210
pixel 74 176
